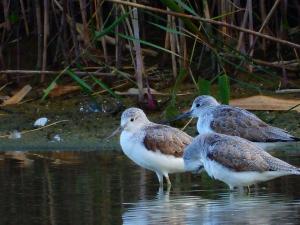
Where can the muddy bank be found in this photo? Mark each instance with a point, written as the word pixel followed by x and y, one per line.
pixel 88 125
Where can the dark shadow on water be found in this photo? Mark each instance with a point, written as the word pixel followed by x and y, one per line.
pixel 107 188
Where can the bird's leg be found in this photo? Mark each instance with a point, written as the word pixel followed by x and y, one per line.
pixel 231 188
pixel 160 179
pixel 249 190
pixel 168 180
pixel 168 190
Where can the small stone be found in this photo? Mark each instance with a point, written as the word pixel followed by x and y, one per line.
pixel 40 122
pixel 57 138
pixel 15 135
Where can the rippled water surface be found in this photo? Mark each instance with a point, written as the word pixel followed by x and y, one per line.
pixel 106 188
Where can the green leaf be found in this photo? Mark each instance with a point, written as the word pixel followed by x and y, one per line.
pixel 168 29
pixel 131 38
pixel 179 79
pixel 105 87
pixel 171 111
pixel 223 89
pixel 111 27
pixel 203 87
pixel 13 17
pixel 188 22
pixel 186 7
pixel 81 82
pixel 51 86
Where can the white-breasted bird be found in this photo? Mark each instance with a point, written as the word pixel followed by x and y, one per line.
pixel 225 119
pixel 234 160
pixel 153 146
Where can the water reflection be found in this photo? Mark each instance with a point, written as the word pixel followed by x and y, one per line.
pixel 107 188
pixel 229 208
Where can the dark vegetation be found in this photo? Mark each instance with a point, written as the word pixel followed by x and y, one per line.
pixel 113 45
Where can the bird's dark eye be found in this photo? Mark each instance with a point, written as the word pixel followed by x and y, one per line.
pixel 197 105
pixel 131 119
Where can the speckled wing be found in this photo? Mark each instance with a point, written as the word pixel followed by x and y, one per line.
pixel 167 140
pixel 239 122
pixel 241 155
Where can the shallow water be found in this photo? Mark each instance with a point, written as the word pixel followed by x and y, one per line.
pixel 106 188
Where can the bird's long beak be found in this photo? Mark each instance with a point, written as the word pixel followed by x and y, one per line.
pixel 182 116
pixel 118 130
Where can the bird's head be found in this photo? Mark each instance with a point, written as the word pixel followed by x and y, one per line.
pixel 132 119
pixel 198 105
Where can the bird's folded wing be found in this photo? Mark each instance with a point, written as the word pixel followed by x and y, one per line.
pixel 167 140
pixel 238 122
pixel 239 156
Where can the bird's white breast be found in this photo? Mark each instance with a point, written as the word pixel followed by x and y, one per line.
pixel 133 147
pixel 203 123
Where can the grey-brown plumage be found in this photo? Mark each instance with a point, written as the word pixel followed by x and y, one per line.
pixel 241 155
pixel 234 160
pixel 234 121
pixel 239 122
pixel 167 140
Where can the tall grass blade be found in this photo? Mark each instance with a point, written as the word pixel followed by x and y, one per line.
pixel 203 87
pixel 171 110
pixel 186 7
pixel 87 88
pixel 51 86
pixel 111 27
pixel 223 89
pixel 167 29
pixel 147 43
pixel 105 87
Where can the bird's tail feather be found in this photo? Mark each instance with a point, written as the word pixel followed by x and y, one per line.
pixel 296 171
pixel 279 135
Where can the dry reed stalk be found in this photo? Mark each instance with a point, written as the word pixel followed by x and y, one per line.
pixel 58 28
pixel 264 24
pixel 165 56
pixel 145 51
pixel 39 34
pixel 183 46
pixel 128 31
pixel 138 54
pixel 24 17
pixel 251 41
pixel 222 11
pixel 36 129
pixel 62 34
pixel 284 11
pixel 55 72
pixel 18 52
pixel 263 14
pixel 85 32
pixel 172 45
pixel 99 25
pixel 241 44
pixel 118 46
pixel 2 63
pixel 45 41
pixel 211 21
pixel 73 30
pixel 6 14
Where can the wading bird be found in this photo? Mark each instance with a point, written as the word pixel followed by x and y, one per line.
pixel 234 160
pixel 153 146
pixel 225 119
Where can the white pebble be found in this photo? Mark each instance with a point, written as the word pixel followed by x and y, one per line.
pixel 57 138
pixel 40 122
pixel 15 135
